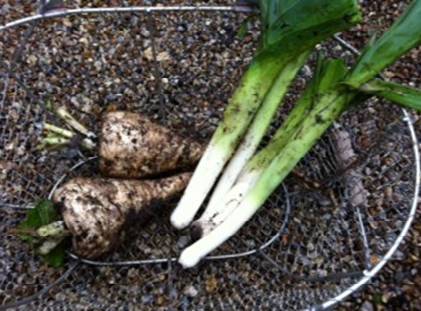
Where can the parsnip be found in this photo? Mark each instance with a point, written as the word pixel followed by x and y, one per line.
pixel 95 210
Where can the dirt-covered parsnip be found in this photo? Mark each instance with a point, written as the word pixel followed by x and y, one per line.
pixel 129 144
pixel 132 146
pixel 95 210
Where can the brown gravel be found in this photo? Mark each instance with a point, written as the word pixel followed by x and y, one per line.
pixel 103 82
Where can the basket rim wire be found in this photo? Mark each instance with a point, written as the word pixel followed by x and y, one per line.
pixel 364 276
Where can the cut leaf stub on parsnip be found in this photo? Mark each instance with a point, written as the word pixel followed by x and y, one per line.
pixel 96 210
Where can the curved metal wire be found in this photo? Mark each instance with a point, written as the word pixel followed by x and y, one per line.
pixel 111 10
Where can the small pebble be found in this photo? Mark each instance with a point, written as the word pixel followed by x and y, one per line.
pixel 191 291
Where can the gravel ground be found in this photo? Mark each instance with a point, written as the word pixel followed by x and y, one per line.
pixel 397 287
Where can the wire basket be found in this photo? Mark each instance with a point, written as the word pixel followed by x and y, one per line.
pixel 324 234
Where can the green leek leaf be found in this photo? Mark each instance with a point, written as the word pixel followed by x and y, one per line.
pixel 405 96
pixel 404 35
pixel 292 23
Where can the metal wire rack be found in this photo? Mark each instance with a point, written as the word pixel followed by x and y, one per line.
pixel 313 245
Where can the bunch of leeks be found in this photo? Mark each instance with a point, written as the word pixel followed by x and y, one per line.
pixel 333 90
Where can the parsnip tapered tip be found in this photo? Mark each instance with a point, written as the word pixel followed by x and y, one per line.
pixel 188 258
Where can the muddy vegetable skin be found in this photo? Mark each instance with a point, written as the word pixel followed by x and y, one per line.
pixel 95 210
pixel 132 146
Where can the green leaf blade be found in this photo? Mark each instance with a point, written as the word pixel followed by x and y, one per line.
pixel 405 96
pixel 404 35
pixel 57 256
pixel 284 20
pixel 42 214
pixel 47 212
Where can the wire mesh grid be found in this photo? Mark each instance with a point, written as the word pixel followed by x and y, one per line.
pixel 321 244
